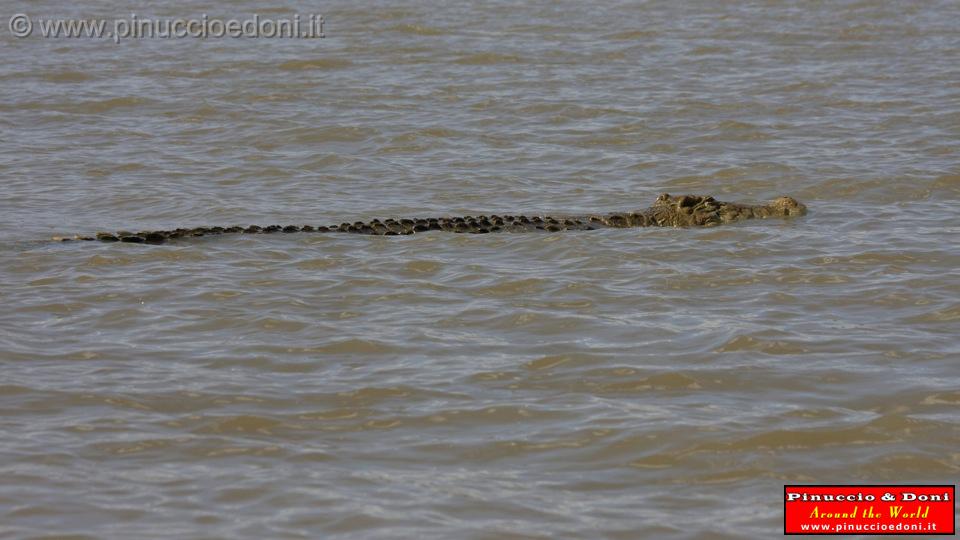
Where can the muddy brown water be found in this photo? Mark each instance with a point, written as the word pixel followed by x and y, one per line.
pixel 641 383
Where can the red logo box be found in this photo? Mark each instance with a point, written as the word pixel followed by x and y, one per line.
pixel 870 509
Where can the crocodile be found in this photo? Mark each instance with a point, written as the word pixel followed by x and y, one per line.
pixel 667 211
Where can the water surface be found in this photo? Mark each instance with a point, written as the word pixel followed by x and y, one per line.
pixel 641 383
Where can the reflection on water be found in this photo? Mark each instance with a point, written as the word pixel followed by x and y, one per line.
pixel 617 383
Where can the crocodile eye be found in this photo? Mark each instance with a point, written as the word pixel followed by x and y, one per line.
pixel 663 197
pixel 686 201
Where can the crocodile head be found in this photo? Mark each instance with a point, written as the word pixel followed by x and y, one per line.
pixel 700 210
